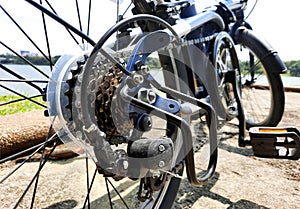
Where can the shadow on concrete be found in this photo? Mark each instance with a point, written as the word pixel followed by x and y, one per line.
pixel 66 204
pixel 192 194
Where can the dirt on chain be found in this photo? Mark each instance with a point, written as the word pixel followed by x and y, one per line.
pixel 241 179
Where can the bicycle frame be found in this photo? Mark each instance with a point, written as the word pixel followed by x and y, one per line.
pixel 185 27
pixel 224 17
pixel 189 22
pixel 106 97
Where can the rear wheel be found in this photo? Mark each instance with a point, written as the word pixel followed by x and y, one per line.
pixel 80 181
pixel 88 113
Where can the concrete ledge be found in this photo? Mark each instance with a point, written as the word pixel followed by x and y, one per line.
pixel 21 131
pixel 286 88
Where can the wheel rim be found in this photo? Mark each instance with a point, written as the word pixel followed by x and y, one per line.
pixel 36 180
pixel 225 61
pixel 257 92
pixel 32 199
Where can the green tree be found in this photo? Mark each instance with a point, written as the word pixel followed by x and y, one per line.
pixel 36 60
pixel 293 67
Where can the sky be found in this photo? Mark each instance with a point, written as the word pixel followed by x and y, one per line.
pixel 275 21
pixel 278 23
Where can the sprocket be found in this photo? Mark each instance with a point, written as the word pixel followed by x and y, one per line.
pixel 106 104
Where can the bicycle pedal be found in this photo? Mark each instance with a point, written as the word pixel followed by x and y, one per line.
pixel 274 142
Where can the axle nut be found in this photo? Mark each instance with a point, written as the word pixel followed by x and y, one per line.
pixel 161 148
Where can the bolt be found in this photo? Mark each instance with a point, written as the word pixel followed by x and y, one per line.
pixel 232 108
pixel 161 148
pixel 146 123
pixel 147 95
pixel 151 96
pixel 149 122
pixel 138 79
pixel 125 164
pixel 161 164
pixel 145 69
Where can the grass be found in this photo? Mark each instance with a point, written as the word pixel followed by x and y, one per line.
pixel 20 106
pixel 286 74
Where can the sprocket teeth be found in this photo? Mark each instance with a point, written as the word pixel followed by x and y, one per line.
pixel 71 83
pixel 69 93
pixel 75 72
pixel 68 106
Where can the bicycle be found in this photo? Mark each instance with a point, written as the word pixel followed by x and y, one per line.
pixel 102 101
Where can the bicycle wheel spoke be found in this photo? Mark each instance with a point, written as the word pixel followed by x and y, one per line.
pixel 26 35
pixel 52 9
pixel 89 18
pixel 79 18
pixel 89 187
pixel 43 160
pixel 20 77
pixel 19 100
pixel 107 180
pixel 87 180
pixel 37 180
pixel 118 10
pixel 25 97
pixel 127 8
pixel 42 164
pixel 121 191
pixel 37 148
pixel 23 81
pixel 47 38
pixel 63 22
pixel 108 193
pixel 24 59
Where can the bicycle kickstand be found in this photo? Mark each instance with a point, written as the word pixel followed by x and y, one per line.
pixel 231 78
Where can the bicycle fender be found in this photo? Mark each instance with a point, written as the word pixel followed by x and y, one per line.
pixel 263 49
pixel 145 47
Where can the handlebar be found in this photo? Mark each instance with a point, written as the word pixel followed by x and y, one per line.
pixel 235 4
pixel 230 4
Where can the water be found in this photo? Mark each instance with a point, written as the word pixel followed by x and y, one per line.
pixel 290 81
pixel 286 80
pixel 28 72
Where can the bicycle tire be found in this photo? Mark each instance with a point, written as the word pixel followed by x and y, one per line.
pixel 272 67
pixel 167 194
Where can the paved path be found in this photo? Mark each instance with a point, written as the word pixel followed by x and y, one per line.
pixel 241 180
